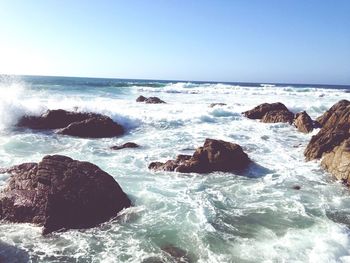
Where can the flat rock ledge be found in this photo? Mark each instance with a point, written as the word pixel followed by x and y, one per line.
pixel 60 193
pixel 78 124
pixel 150 100
pixel 214 155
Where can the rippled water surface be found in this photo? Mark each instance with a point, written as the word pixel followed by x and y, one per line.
pixel 220 217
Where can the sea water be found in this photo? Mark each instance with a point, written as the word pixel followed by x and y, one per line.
pixel 219 217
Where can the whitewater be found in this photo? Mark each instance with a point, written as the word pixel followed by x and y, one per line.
pixel 220 217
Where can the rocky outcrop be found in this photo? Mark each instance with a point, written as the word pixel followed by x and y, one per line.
pixel 150 100
pixel 270 113
pixel 125 145
pixel 74 124
pixel 212 105
pixel 303 122
pixel 214 155
pixel 335 129
pixel 337 162
pixel 60 193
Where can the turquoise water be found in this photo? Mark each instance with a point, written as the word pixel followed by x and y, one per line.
pixel 220 217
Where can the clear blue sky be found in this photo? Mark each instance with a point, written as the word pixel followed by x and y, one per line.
pixel 297 41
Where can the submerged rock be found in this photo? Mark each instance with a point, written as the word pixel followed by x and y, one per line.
pixel 61 193
pixel 214 155
pixel 125 145
pixel 74 124
pixel 335 129
pixel 212 105
pixel 270 113
pixel 303 122
pixel 177 254
pixel 150 100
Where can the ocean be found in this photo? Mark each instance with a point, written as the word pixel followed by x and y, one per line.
pixel 219 217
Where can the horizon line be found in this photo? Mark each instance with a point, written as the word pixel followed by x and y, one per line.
pixel 180 80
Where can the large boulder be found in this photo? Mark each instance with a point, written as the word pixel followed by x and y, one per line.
pixel 259 111
pixel 278 116
pixel 214 155
pixel 150 100
pixel 96 127
pixel 303 122
pixel 337 162
pixel 78 124
pixel 60 193
pixel 335 129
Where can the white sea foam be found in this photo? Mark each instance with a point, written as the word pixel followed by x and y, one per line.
pixel 217 218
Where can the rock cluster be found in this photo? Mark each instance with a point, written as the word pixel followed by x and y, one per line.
pixel 60 193
pixel 85 125
pixel 214 155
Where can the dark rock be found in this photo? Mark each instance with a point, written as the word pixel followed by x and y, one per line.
pixel 177 254
pixel 150 100
pixel 296 187
pixel 96 127
pixel 61 193
pixel 337 162
pixel 335 129
pixel 9 253
pixel 215 155
pixel 259 111
pixel 125 145
pixel 278 116
pixel 54 119
pixel 217 104
pixel 303 122
pixel 141 99
pixel 87 125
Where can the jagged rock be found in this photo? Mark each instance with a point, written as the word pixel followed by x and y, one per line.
pixel 278 116
pixel 60 193
pixel 335 129
pixel 215 155
pixel 74 123
pixel 303 122
pixel 150 100
pixel 337 162
pixel 96 127
pixel 212 105
pixel 125 145
pixel 259 111
pixel 339 107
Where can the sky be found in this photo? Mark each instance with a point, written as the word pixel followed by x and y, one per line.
pixel 285 41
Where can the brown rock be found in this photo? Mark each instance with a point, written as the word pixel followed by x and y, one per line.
pixel 96 127
pixel 278 116
pixel 61 193
pixel 335 129
pixel 259 111
pixel 303 122
pixel 125 145
pixel 215 155
pixel 337 162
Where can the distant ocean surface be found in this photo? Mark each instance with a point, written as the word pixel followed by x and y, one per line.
pixel 219 217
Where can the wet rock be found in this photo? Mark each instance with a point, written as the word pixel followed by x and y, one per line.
pixel 9 253
pixel 150 100
pixel 61 193
pixel 337 162
pixel 177 254
pixel 96 127
pixel 125 145
pixel 212 105
pixel 214 155
pixel 296 187
pixel 303 122
pixel 335 129
pixel 278 116
pixel 153 260
pixel 73 123
pixel 259 111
